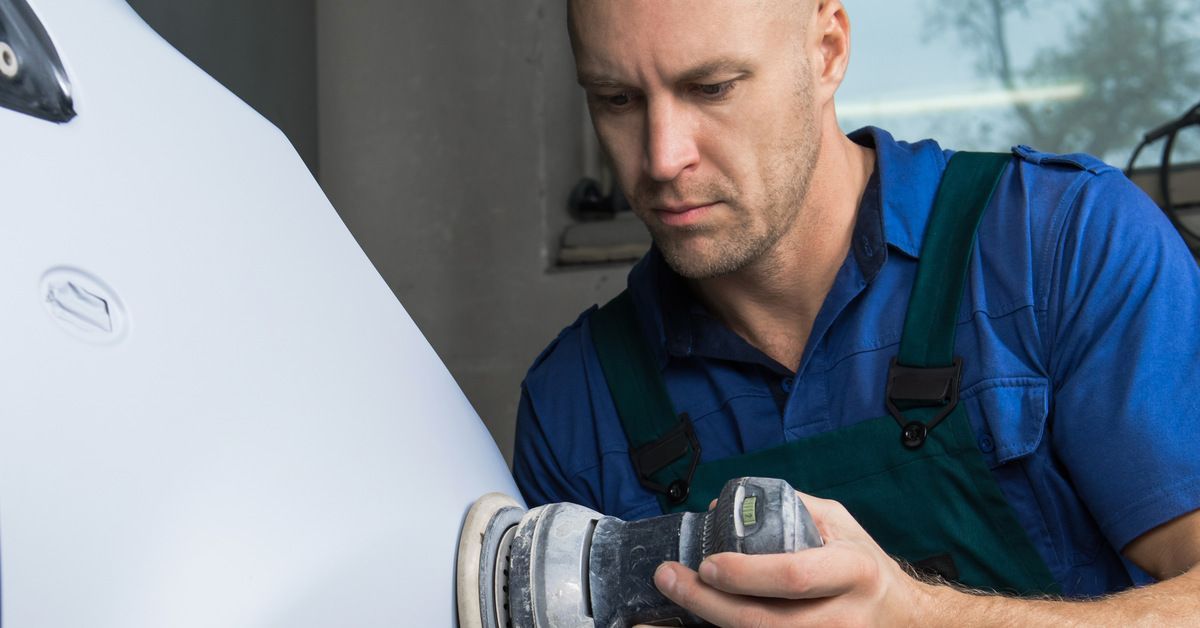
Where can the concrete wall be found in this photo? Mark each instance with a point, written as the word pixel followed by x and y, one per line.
pixel 450 136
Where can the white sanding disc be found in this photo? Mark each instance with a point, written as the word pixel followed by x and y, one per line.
pixel 471 560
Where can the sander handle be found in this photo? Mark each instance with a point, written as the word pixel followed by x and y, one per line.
pixel 752 516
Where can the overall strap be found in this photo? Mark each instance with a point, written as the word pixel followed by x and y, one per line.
pixel 926 373
pixel 664 447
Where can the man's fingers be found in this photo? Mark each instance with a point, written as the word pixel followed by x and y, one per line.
pixel 820 572
pixel 682 586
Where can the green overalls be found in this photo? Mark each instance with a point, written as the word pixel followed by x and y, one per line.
pixel 913 478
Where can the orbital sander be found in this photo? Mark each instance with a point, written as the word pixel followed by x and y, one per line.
pixel 566 566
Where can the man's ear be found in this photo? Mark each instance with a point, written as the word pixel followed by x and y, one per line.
pixel 832 34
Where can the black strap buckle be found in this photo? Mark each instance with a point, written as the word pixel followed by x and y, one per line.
pixel 922 387
pixel 657 455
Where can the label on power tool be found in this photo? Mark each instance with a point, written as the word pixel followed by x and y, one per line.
pixel 749 517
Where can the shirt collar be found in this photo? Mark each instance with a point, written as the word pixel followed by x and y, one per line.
pixel 909 175
pixel 680 324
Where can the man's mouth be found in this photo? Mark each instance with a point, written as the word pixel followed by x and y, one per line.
pixel 683 215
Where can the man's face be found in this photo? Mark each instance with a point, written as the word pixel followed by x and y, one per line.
pixel 706 109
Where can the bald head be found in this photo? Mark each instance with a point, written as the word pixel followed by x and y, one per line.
pixel 797 11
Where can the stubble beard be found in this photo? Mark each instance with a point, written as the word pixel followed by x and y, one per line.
pixel 707 251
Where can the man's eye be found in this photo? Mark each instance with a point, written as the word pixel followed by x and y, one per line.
pixel 618 100
pixel 715 91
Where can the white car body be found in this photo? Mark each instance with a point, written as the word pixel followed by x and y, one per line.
pixel 213 411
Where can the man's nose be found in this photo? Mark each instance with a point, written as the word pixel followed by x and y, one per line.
pixel 670 141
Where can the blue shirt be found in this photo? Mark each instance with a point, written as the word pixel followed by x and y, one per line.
pixel 1077 332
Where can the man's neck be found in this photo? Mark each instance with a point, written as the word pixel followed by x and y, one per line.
pixel 773 302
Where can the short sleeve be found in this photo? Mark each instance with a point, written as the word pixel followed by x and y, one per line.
pixel 1124 357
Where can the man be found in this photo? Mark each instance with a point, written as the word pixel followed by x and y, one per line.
pixel 800 316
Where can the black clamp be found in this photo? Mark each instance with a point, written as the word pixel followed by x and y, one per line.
pixel 922 387
pixel 657 455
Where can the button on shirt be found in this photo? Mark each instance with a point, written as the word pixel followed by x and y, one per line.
pixel 1081 377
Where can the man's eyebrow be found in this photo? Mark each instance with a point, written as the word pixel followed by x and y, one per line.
pixel 724 65
pixel 598 80
pixel 691 75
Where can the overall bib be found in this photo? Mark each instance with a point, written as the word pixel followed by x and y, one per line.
pixel 914 478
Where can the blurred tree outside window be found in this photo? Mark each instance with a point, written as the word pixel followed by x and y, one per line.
pixel 1065 76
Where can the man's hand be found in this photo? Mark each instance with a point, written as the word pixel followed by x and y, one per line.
pixel 848 581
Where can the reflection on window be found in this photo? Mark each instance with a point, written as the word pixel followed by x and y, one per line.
pixel 1065 76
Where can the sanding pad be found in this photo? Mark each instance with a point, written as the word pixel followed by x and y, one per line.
pixel 490 520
